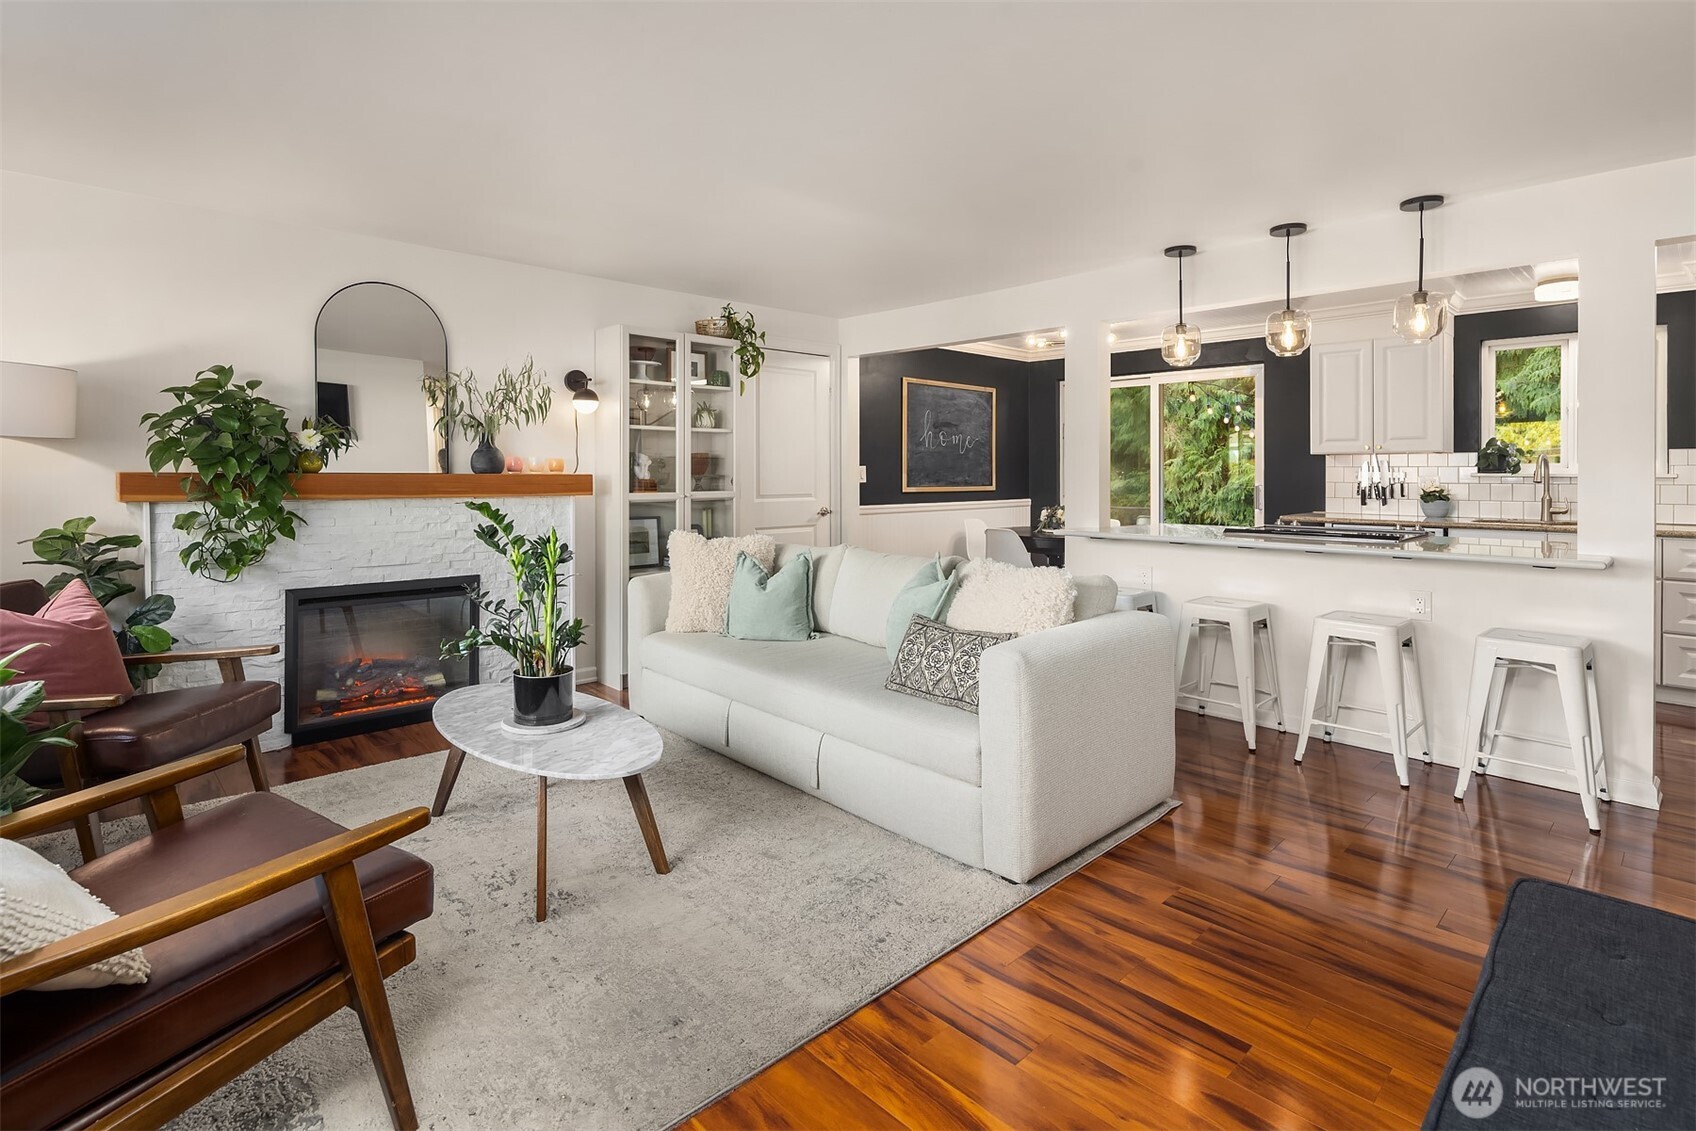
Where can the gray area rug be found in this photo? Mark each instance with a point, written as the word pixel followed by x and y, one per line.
pixel 642 997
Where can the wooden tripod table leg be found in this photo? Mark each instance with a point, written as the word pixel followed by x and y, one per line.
pixel 450 774
pixel 645 818
pixel 541 849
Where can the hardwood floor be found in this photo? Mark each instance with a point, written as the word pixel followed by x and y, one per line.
pixel 1293 947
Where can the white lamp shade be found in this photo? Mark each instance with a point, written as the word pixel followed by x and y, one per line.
pixel 37 401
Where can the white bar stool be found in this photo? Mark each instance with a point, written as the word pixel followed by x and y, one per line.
pixel 1248 624
pixel 1336 637
pixel 1501 653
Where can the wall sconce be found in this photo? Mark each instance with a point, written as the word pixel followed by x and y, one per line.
pixel 37 402
pixel 583 398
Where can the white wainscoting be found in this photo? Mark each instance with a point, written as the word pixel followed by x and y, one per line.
pixel 932 528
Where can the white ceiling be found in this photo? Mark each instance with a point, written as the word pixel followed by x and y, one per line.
pixel 834 158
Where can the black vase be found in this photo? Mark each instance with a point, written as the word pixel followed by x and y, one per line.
pixel 487 459
pixel 541 700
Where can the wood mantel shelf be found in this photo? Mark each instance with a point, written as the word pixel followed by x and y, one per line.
pixel 144 487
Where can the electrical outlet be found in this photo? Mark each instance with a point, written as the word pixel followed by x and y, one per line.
pixel 862 473
pixel 1420 606
pixel 1142 578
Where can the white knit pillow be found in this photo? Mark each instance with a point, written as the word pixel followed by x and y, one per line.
pixel 999 597
pixel 40 904
pixel 701 572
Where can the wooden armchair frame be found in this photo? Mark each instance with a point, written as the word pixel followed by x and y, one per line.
pixel 73 761
pixel 357 982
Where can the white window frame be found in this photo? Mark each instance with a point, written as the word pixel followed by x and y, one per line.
pixel 1157 473
pixel 1568 464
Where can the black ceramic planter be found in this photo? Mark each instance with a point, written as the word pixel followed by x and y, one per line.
pixel 486 459
pixel 541 700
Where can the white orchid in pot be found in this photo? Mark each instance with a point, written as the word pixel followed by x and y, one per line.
pixel 533 629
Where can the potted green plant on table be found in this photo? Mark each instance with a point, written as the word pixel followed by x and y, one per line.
pixel 532 629
pixel 1434 499
pixel 244 460
pixel 82 555
pixel 460 403
pixel 18 701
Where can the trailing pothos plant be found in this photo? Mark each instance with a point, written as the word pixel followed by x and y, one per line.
pixel 243 456
pixel 93 559
pixel 750 345
pixel 18 701
pixel 533 629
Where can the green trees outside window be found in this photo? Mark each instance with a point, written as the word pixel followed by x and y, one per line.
pixel 1207 451
pixel 1528 398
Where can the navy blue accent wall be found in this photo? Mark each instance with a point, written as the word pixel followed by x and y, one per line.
pixel 1677 312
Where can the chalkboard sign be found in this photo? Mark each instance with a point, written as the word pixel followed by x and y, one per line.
pixel 947 436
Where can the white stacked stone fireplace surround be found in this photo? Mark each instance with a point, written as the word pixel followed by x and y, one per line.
pixel 341 542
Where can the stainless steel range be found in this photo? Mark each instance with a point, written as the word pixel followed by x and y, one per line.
pixel 1337 534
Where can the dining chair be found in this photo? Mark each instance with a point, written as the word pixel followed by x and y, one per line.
pixel 1003 545
pixel 975 530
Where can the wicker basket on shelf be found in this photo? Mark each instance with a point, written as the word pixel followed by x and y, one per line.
pixel 713 327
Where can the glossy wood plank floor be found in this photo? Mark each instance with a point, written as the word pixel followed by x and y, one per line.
pixel 1293 947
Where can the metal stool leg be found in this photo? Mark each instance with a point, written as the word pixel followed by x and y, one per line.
pixel 1395 705
pixel 1334 687
pixel 1575 705
pixel 1186 627
pixel 1416 686
pixel 1477 699
pixel 1269 643
pixel 1207 639
pixel 1317 656
pixel 1597 751
pixel 1242 656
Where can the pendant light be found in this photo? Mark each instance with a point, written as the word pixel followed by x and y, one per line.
pixel 1180 345
pixel 1419 316
pixel 1288 330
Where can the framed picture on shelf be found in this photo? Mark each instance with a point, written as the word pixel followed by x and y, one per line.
pixel 644 541
pixel 697 369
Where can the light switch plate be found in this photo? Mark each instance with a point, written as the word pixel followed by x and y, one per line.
pixel 862 473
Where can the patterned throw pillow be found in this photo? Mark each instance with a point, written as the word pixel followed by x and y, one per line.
pixel 939 663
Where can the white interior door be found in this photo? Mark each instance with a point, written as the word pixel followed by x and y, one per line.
pixel 783 477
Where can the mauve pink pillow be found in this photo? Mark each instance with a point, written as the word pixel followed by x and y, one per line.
pixel 81 656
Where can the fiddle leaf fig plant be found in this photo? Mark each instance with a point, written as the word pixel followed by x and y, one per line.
pixel 93 559
pixel 750 345
pixel 243 456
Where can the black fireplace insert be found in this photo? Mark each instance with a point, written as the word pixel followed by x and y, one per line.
pixel 360 658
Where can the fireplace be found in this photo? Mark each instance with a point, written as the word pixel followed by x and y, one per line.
pixel 360 658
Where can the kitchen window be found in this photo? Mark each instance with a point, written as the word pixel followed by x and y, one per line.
pixel 1531 397
pixel 1182 448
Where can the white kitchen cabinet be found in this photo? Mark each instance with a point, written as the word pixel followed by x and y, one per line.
pixel 1382 395
pixel 1675 612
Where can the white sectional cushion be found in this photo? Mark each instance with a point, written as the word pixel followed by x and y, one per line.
pixel 701 572
pixel 1098 595
pixel 866 585
pixel 1000 597
pixel 831 684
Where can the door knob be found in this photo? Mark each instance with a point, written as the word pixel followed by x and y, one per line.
pixel 823 511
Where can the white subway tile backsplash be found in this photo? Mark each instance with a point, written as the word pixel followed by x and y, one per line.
pixel 1675 497
pixel 1474 496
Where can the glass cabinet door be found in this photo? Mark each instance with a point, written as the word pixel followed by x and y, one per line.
pixel 710 394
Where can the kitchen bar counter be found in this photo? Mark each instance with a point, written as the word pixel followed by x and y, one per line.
pixel 1506 550
pixel 1367 518
pixel 1668 531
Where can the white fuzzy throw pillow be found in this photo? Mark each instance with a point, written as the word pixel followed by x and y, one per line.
pixel 701 572
pixel 998 597
pixel 40 904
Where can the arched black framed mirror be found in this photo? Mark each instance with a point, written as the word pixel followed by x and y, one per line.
pixel 374 343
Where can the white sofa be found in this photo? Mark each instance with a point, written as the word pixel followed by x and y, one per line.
pixel 1074 737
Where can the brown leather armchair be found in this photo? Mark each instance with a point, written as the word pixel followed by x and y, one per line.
pixel 246 954
pixel 153 728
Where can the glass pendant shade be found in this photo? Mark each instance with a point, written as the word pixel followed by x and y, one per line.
pixel 1419 316
pixel 1180 345
pixel 1287 332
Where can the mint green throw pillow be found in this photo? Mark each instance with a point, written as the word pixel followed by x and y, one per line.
pixel 776 606
pixel 926 594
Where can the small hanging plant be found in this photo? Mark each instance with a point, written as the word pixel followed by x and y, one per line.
pixel 750 344
pixel 243 458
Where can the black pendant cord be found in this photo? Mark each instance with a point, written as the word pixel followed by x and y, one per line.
pixel 1421 247
pixel 1287 235
pixel 1180 290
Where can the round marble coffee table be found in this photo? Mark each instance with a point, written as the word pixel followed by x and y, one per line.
pixel 613 743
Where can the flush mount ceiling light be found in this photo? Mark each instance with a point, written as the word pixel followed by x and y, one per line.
pixel 1419 316
pixel 1180 345
pixel 1287 330
pixel 1556 288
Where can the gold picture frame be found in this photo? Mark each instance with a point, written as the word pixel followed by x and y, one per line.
pixel 930 470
